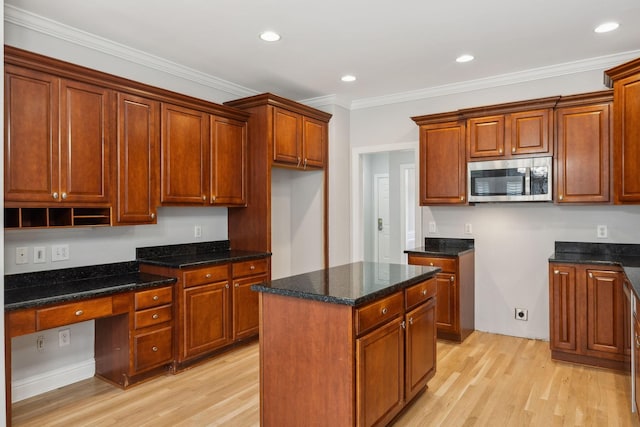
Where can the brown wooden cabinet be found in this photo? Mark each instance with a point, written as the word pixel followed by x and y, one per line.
pixel 625 80
pixel 583 135
pixel 421 352
pixel 245 309
pixel 586 310
pixel 298 141
pixel 455 312
pixel 205 323
pixel 636 355
pixel 228 154
pixel 442 160
pixel 137 160
pixel 57 139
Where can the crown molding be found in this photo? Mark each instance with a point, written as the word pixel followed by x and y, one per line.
pixel 327 100
pixel 598 63
pixel 48 27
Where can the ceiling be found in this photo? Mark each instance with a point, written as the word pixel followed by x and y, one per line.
pixel 392 47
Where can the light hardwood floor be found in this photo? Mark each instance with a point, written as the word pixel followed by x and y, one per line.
pixel 489 380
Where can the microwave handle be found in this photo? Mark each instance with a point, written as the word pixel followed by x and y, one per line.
pixel 527 182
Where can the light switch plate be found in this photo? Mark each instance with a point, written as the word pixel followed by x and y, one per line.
pixel 601 232
pixel 39 255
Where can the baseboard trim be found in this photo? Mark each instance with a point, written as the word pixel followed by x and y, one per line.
pixel 51 380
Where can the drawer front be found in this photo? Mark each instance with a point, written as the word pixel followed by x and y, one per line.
pixel 201 276
pixel 80 311
pixel 248 268
pixel 377 313
pixel 153 297
pixel 420 293
pixel 446 264
pixel 153 316
pixel 152 349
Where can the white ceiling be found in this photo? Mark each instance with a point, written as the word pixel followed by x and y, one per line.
pixel 392 47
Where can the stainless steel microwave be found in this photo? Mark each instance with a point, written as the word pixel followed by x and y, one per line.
pixel 512 180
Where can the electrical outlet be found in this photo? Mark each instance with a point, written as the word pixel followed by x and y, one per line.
pixel 522 314
pixel 21 255
pixel 40 343
pixel 59 252
pixel 39 254
pixel 432 227
pixel 197 231
pixel 468 229
pixel 64 337
pixel 601 232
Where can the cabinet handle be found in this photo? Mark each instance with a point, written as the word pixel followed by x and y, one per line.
pixel 153 215
pixel 462 198
pixel 403 325
pixel 213 199
pixel 452 278
pixel 590 275
pixel 64 195
pixel 305 163
pixel 513 150
pixel 424 292
pixel 55 195
pixel 560 197
pixel 156 297
pixel 384 310
pixel 154 348
pixel 253 267
pixel 79 313
pixel 155 316
pixel 637 341
pixel 431 264
pixel 237 285
pixel 299 159
pixel 204 198
pixel 208 275
pixel 226 286
pixel 500 150
pixel 411 320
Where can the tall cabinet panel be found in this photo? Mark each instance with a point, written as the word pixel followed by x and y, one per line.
pixel 228 153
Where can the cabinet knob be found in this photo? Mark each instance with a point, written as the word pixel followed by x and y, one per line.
pixel 403 325
pixel 424 292
pixel 500 151
pixel 237 285
pixel 411 320
pixel 462 198
pixel 385 310
pixel 452 278
pixel 153 215
pixel 560 197
pixel 637 341
pixel 155 316
pixel 208 275
pixel 431 264
pixel 253 267
pixel 64 195
pixel 213 199
pixel 154 348
pixel 55 195
pixel 226 286
pixel 556 271
pixel 305 163
pixel 204 198
pixel 591 275
pixel 299 159
pixel 79 313
pixel 513 150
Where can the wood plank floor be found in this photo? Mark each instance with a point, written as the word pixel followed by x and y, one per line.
pixel 489 380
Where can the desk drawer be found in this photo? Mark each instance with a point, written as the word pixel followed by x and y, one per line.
pixel 377 313
pixel 80 311
pixel 448 265
pixel 249 268
pixel 420 293
pixel 202 276
pixel 152 349
pixel 153 316
pixel 153 297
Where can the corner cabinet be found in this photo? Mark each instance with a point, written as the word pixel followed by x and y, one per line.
pixel 442 160
pixel 625 80
pixel 588 315
pixel 583 144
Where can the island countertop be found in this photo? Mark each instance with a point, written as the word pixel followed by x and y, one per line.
pixel 350 284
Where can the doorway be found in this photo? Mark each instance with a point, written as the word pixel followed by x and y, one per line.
pixel 385 214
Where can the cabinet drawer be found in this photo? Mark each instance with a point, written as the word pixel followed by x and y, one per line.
pixel 152 349
pixel 247 268
pixel 377 313
pixel 420 293
pixel 152 316
pixel 66 314
pixel 201 276
pixel 446 264
pixel 153 297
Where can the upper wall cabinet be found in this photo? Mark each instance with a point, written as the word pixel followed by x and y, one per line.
pixel 57 134
pixel 625 80
pixel 583 135
pixel 442 159
pixel 513 129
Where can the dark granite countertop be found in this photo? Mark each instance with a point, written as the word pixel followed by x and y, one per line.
pixel 443 247
pixel 195 254
pixel 37 289
pixel 350 284
pixel 624 255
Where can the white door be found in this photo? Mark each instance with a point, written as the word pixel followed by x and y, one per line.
pixel 382 223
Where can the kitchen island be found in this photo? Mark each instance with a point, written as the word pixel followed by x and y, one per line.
pixel 348 345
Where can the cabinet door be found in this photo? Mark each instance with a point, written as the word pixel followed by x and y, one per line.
pixel 245 307
pixel 314 141
pixel 442 164
pixel 184 160
pixel 228 162
pixel 137 159
pixel 152 348
pixel 30 136
pixel 626 139
pixel 530 132
pixel 380 374
pixel 86 117
pixel 205 323
pixel 605 305
pixel 486 136
pixel 287 137
pixel 562 310
pixel 583 146
pixel 447 312
pixel 420 348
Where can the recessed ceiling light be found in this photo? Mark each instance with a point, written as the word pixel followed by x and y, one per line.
pixel 348 78
pixel 270 36
pixel 464 58
pixel 606 27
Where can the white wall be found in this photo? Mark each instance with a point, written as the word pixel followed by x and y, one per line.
pixel 513 241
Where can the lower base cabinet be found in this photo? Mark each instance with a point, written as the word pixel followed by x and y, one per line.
pixel 588 315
